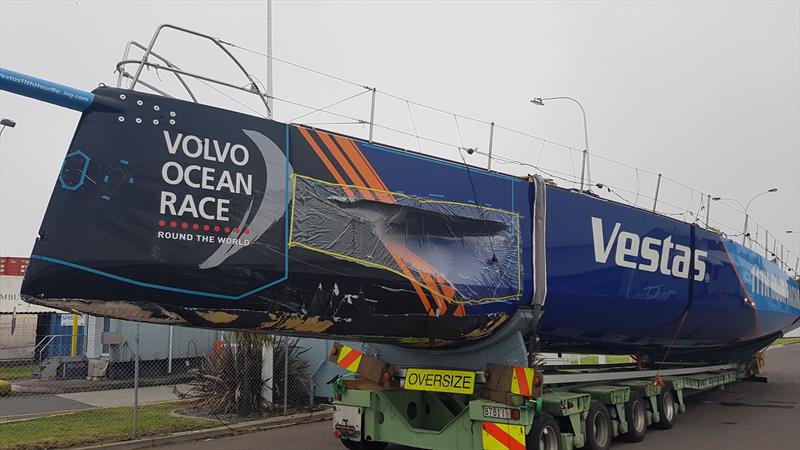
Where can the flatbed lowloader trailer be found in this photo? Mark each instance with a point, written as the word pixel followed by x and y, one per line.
pixel 508 407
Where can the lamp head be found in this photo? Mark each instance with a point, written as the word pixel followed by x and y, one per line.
pixel 8 123
pixel 773 190
pixel 716 198
pixel 538 101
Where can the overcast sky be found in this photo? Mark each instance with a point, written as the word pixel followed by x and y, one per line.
pixel 706 93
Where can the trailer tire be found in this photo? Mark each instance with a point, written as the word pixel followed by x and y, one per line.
pixel 364 445
pixel 636 416
pixel 666 410
pixel 545 434
pixel 598 427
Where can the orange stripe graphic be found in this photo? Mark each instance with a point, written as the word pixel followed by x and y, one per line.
pixel 375 182
pixel 349 359
pixel 345 165
pixel 398 252
pixel 425 303
pixel 449 294
pixel 361 167
pixel 326 162
pixel 364 167
pixel 522 381
pixel 423 268
pixel 434 289
pixel 503 437
pixel 426 271
pixel 446 288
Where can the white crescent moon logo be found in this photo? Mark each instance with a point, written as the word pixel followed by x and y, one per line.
pixel 273 203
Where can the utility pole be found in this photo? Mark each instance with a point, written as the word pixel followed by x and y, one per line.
pixel 270 103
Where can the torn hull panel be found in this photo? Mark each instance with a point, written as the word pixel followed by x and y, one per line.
pixel 416 331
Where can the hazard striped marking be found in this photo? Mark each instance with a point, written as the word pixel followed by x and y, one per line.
pixel 500 436
pixel 349 358
pixel 522 381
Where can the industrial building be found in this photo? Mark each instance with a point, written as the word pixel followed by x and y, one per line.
pixel 48 336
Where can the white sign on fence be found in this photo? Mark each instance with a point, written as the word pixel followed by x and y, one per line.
pixel 66 320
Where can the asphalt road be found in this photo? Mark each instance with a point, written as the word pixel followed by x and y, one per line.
pixel 32 406
pixel 746 415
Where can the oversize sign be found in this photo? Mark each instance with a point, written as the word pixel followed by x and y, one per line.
pixel 437 380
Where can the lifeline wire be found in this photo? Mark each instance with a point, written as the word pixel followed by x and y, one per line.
pixel 475 191
pixel 328 106
pixel 416 133
pixel 419 138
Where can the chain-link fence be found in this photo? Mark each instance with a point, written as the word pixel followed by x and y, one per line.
pixel 100 380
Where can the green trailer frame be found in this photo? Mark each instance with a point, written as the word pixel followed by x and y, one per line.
pixel 437 420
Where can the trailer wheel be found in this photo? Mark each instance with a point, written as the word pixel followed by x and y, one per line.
pixel 666 410
pixel 598 427
pixel 636 416
pixel 364 445
pixel 545 434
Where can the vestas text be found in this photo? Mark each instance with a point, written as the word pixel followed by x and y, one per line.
pixel 646 253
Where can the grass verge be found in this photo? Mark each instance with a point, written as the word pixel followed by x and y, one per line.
pixel 786 341
pixel 610 359
pixel 16 372
pixel 96 426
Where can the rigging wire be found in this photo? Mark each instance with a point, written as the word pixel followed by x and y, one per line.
pixel 328 106
pixel 494 157
pixel 461 151
pixel 335 123
pixel 233 98
pixel 541 150
pixel 572 162
pixel 416 133
pixel 433 108
pixel 289 63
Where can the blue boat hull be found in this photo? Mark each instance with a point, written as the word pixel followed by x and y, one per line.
pixel 605 307
pixel 192 215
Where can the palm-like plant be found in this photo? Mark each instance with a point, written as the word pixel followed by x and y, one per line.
pixel 230 381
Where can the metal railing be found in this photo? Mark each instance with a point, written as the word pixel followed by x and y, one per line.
pixel 149 51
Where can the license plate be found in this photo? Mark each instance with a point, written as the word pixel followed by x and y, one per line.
pixel 347 421
pixel 437 380
pixel 496 413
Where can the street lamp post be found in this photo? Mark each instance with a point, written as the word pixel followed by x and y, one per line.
pixel 540 101
pixel 6 123
pixel 746 208
pixel 747 216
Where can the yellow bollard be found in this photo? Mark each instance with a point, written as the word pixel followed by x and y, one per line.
pixel 5 388
pixel 74 350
